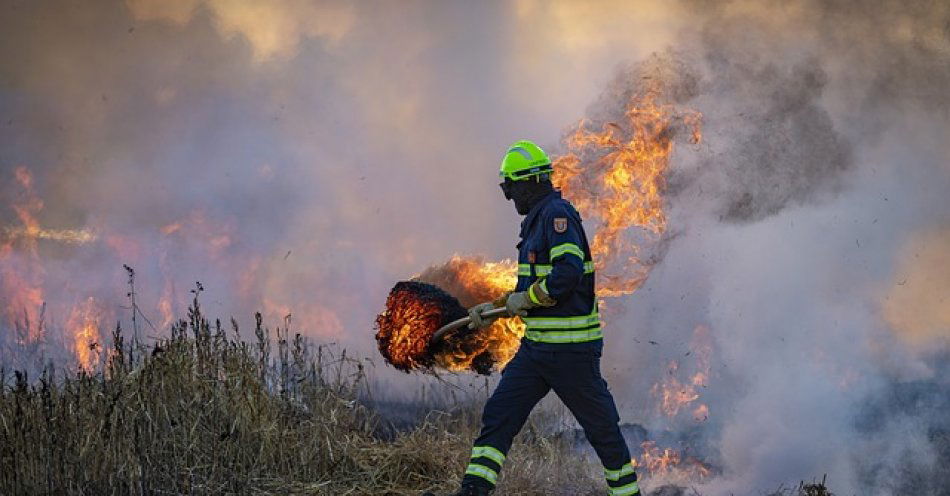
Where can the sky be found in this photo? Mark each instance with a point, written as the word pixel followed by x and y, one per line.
pixel 300 157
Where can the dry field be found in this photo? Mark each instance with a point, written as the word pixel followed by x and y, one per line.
pixel 206 412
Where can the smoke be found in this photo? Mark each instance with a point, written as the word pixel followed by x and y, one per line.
pixel 300 157
pixel 773 143
pixel 795 221
pixel 917 306
pixel 274 30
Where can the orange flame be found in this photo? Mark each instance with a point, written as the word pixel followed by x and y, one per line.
pixel 615 176
pixel 675 395
pixel 83 325
pixel 406 327
pixel 669 464
pixel 21 284
pixel 472 280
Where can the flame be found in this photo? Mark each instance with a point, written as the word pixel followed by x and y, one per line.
pixel 675 395
pixel 26 210
pixel 165 308
pixel 670 464
pixel 68 236
pixel 83 325
pixel 406 326
pixel 616 175
pixel 21 272
pixel 196 229
pixel 473 280
pixel 21 284
pixel 416 309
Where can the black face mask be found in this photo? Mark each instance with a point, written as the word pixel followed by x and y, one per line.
pixel 525 193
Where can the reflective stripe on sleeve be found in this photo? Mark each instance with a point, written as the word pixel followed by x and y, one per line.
pixel 565 248
pixel 490 453
pixel 524 269
pixel 542 270
pixel 484 472
pixel 533 297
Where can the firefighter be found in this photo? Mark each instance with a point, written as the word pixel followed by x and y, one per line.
pixel 562 345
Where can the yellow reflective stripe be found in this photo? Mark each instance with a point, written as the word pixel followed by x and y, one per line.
pixel 490 453
pixel 565 248
pixel 534 299
pixel 613 475
pixel 483 472
pixel 542 270
pixel 562 322
pixel 564 336
pixel 524 269
pixel 628 490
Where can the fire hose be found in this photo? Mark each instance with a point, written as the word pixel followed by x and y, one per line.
pixel 464 321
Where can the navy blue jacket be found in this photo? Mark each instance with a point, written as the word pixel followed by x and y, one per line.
pixel 554 249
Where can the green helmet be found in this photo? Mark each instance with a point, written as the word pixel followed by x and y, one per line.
pixel 524 159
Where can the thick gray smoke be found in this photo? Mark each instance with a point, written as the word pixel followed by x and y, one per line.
pixel 299 157
pixel 794 222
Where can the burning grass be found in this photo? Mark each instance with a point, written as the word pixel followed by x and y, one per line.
pixel 414 311
pixel 204 412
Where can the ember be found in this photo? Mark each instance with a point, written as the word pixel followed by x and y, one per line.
pixel 414 311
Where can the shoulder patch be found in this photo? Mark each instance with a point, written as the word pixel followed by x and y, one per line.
pixel 560 224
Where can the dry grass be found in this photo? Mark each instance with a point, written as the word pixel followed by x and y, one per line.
pixel 204 412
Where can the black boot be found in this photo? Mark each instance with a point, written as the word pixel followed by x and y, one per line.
pixel 467 490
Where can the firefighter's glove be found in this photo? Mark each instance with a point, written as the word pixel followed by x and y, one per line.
pixel 520 302
pixel 475 313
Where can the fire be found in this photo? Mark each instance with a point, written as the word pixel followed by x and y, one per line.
pixel 616 175
pixel 670 464
pixel 69 236
pixel 27 208
pixel 473 280
pixel 675 395
pixel 414 311
pixel 83 325
pixel 165 307
pixel 22 274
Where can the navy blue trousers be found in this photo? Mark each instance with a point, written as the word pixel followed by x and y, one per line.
pixel 575 378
